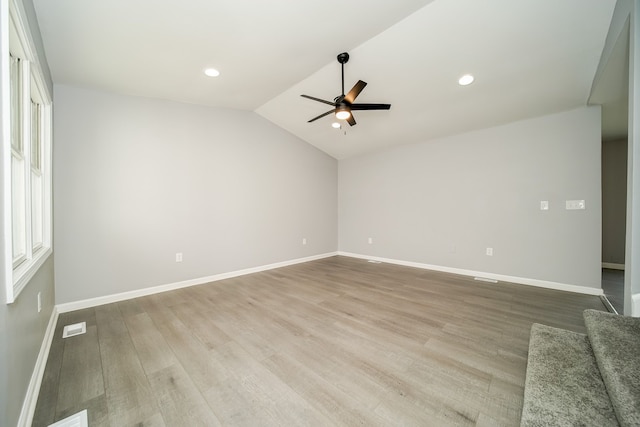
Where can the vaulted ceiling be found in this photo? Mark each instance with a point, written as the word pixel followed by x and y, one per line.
pixel 529 58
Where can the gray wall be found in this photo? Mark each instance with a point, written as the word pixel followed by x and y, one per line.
pixel 614 200
pixel 22 331
pixel 443 202
pixel 22 328
pixel 138 180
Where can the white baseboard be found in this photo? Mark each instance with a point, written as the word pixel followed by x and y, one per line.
pixel 480 274
pixel 613 266
pixel 107 299
pixel 31 398
pixel 635 305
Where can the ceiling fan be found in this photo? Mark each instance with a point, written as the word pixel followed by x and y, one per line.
pixel 344 104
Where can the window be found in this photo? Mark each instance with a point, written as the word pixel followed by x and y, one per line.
pixel 37 201
pixel 18 212
pixel 29 123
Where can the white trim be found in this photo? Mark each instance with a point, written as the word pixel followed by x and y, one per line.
pixel 107 299
pixel 607 303
pixel 22 277
pixel 635 305
pixel 5 156
pixel 613 266
pixel 22 30
pixel 499 277
pixel 31 398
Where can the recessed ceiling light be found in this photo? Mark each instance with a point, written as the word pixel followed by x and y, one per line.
pixel 335 125
pixel 212 72
pixel 465 80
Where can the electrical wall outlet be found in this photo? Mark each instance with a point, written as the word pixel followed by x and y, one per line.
pixel 489 251
pixel 544 205
pixel 179 257
pixel 370 240
pixel 304 240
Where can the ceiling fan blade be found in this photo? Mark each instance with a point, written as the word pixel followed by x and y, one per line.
pixel 318 99
pixel 355 91
pixel 370 106
pixel 321 116
pixel 351 120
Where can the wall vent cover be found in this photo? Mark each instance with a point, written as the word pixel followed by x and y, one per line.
pixel 75 420
pixel 75 329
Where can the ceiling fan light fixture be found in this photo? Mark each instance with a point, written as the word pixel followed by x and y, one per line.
pixel 343 113
pixel 336 125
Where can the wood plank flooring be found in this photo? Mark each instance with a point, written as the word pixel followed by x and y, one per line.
pixel 613 287
pixel 334 342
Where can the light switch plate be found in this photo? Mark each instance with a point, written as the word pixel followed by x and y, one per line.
pixel 575 204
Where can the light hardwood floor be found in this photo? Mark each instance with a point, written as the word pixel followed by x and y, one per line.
pixel 338 341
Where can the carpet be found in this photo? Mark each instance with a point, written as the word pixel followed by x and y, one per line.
pixel 616 344
pixel 563 385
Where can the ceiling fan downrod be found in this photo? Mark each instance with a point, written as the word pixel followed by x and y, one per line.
pixel 343 58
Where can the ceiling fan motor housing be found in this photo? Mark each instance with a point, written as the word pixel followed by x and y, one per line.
pixel 343 58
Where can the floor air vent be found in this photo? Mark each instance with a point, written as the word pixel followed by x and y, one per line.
pixel 75 420
pixel 75 329
pixel 485 279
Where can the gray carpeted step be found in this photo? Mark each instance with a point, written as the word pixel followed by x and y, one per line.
pixel 563 386
pixel 616 344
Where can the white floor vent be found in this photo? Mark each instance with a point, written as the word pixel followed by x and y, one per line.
pixel 485 279
pixel 75 329
pixel 75 420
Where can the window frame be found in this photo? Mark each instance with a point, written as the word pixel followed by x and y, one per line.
pixel 35 170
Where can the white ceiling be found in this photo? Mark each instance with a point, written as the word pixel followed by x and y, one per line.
pixel 530 58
